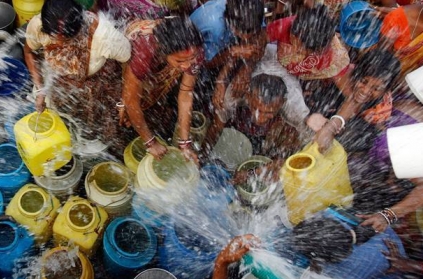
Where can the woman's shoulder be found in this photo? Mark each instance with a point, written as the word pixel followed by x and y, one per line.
pixel 35 37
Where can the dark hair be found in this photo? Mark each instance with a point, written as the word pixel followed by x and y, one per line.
pixel 245 15
pixel 176 34
pixel 62 17
pixel 377 63
pixel 322 239
pixel 270 88
pixel 314 27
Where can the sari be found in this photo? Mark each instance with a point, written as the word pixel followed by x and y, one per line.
pixel 331 62
pixel 411 56
pixel 89 99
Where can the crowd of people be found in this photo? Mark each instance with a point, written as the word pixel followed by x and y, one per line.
pixel 139 68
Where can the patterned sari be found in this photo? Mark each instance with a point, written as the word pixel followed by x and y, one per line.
pixel 90 100
pixel 411 56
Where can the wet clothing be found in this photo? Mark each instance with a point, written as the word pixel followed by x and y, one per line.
pixel 411 56
pixel 158 78
pixel 87 80
pixel 210 21
pixel 307 66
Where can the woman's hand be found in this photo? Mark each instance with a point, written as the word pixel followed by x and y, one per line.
pixel 324 138
pixel 316 121
pixel 398 262
pixel 376 221
pixel 238 247
pixel 40 103
pixel 157 150
pixel 190 154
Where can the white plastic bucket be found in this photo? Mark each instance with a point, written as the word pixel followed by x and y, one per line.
pixel 405 145
pixel 415 82
pixel 109 185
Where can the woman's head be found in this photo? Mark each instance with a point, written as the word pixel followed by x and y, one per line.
pixel 179 41
pixel 61 17
pixel 322 239
pixel 374 74
pixel 314 28
pixel 245 17
pixel 266 98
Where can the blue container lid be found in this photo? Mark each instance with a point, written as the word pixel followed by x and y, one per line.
pixel 1 204
pixel 359 27
pixel 13 76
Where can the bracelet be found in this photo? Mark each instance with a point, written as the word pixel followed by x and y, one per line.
pixel 336 130
pixel 184 143
pixel 340 118
pixel 221 81
pixel 393 215
pixel 385 216
pixel 150 142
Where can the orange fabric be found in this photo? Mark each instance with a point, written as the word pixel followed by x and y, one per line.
pixel 395 26
pixel 379 113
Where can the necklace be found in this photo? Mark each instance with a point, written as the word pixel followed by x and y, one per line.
pixel 417 22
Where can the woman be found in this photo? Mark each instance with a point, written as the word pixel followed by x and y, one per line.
pixel 82 52
pixel 307 45
pixel 164 53
pixel 403 31
pixel 368 103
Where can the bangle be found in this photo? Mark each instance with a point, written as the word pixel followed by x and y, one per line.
pixel 340 118
pixel 150 142
pixel 393 215
pixel 385 216
pixel 221 81
pixel 184 143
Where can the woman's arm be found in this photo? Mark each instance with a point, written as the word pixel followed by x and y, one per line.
pixel 31 60
pixel 131 96
pixel 185 100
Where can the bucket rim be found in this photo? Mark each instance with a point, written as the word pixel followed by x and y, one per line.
pixel 15 230
pixel 18 169
pixel 155 269
pixel 31 188
pixel 301 154
pixel 121 167
pixel 111 238
pixel 76 203
pixel 202 117
pixel 11 9
pixel 50 115
pixel 52 251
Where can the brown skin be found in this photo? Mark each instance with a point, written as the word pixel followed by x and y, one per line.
pixel 365 90
pixel 32 62
pixel 400 264
pixel 233 252
pixel 414 199
pixel 133 90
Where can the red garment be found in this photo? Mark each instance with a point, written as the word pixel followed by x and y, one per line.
pixel 280 29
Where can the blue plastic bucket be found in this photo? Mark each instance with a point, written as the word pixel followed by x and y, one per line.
pixel 217 181
pixel 149 217
pixel 14 76
pixel 128 246
pixel 359 26
pixel 15 243
pixel 13 172
pixel 1 204
pixel 186 254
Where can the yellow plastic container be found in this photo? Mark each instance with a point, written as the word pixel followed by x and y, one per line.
pixel 134 153
pixel 27 9
pixel 80 223
pixel 43 142
pixel 35 209
pixel 65 262
pixel 312 181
